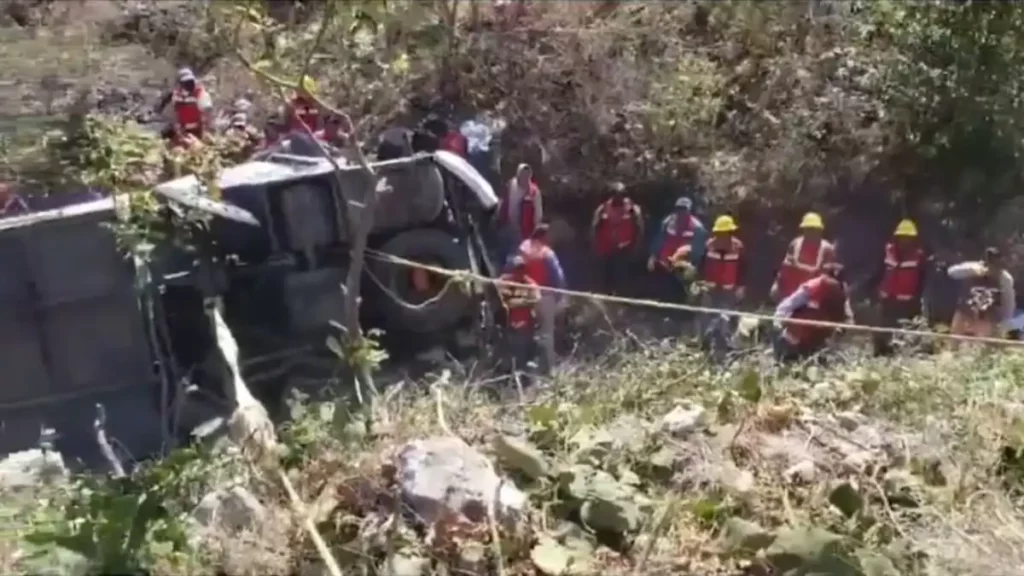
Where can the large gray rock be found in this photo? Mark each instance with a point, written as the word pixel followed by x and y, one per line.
pixel 445 475
pixel 32 467
pixel 233 509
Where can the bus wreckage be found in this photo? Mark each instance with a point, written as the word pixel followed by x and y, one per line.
pixel 83 329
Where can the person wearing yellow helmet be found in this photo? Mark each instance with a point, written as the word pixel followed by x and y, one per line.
pixel 805 256
pixel 899 282
pixel 722 269
pixel 302 109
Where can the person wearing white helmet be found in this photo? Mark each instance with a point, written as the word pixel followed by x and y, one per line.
pixel 192 106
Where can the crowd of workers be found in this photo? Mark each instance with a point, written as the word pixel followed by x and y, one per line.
pixel 810 283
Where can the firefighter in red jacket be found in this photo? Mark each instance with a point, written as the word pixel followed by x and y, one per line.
pixel 722 270
pixel 303 109
pixel 616 229
pixel 520 305
pixel 900 282
pixel 806 255
pixel 822 298
pixel 193 109
pixel 543 267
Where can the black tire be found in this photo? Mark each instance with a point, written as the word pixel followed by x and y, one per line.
pixel 432 247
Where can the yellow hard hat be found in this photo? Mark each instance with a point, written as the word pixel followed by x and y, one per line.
pixel 724 224
pixel 308 84
pixel 907 228
pixel 812 220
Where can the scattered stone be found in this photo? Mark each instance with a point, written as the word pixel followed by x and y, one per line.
pixel 521 456
pixel 32 467
pixel 234 509
pixel 444 474
pixel 859 461
pixel 684 419
pixel 849 420
pixel 472 559
pixel 405 563
pixel 739 535
pixel 804 472
pixel 736 481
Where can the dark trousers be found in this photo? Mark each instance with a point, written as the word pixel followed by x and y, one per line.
pixel 893 314
pixel 617 271
pixel 519 347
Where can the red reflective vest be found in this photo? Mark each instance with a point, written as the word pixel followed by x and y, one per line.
pixel 902 274
pixel 676 237
pixel 304 112
pixel 615 227
pixel 537 255
pixel 722 267
pixel 527 210
pixel 454 142
pixel 803 261
pixel 187 112
pixel 519 301
pixel 827 302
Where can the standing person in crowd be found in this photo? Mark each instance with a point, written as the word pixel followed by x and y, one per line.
pixel 543 267
pixel 723 271
pixel 899 283
pixel 987 300
pixel 192 107
pixel 522 209
pixel 678 229
pixel 824 298
pixel 806 255
pixel 302 109
pixel 11 203
pixel 616 229
pixel 520 313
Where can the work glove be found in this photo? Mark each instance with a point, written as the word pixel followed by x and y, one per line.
pixel 650 264
pixel 741 292
pixel 686 270
pixel 774 292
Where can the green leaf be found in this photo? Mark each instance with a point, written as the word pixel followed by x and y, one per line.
pixel 847 499
pixel 749 386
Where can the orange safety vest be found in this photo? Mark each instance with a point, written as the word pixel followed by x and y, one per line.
pixel 187 111
pixel 304 112
pixel 803 261
pixel 518 301
pixel 676 237
pixel 614 227
pixel 722 267
pixel 902 274
pixel 826 302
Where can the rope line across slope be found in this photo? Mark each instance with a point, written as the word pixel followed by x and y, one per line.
pixel 466 275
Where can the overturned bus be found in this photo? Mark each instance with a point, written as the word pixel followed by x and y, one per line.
pixel 83 326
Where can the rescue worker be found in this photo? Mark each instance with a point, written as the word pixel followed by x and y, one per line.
pixel 333 132
pixel 246 135
pixel 722 270
pixel 193 108
pixel 543 267
pixel 899 283
pixel 805 256
pixel 302 108
pixel 522 210
pixel 987 300
pixel 616 228
pixel 520 309
pixel 11 203
pixel 681 228
pixel 822 298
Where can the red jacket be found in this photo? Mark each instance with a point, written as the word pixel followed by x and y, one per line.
pixel 527 210
pixel 803 261
pixel 304 111
pixel 187 110
pixel 722 267
pixel 676 236
pixel 903 274
pixel 519 301
pixel 826 302
pixel 455 142
pixel 616 227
